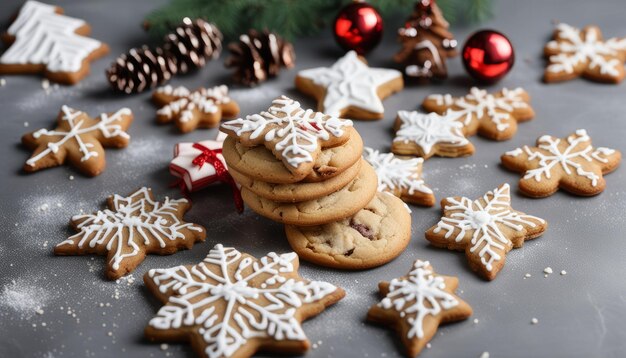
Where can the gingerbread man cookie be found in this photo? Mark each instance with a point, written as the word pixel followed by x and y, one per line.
pixel 130 228
pixel 79 139
pixel 233 304
pixel 350 88
pixel 204 107
pixel 569 163
pixel 415 304
pixel 486 229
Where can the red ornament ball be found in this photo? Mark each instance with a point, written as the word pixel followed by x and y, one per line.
pixel 488 55
pixel 358 27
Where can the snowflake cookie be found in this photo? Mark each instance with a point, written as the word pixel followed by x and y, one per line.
pixel 232 304
pixel 401 177
pixel 486 229
pixel 295 135
pixel 129 229
pixel 574 52
pixel 189 110
pixel 428 134
pixel 569 163
pixel 78 139
pixel 494 116
pixel 415 304
pixel 350 88
pixel 43 40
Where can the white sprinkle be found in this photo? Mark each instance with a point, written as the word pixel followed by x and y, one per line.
pixel 43 324
pixel 476 321
pixel 534 321
pixel 44 207
pixel 45 84
pixel 39 311
pixel 110 334
pixel 3 82
pixel 26 124
pixel 164 346
pixel 563 272
pixel 547 270
pixel 71 177
pixel 484 355
pixel 59 205
pixel 527 276
pixel 428 345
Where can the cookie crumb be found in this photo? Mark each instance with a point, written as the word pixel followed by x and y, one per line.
pixel 563 272
pixel 484 355
pixel 534 321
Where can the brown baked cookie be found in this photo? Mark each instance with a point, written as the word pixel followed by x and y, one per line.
pixel 569 163
pixel 130 228
pixel 43 40
pixel 494 116
pixel 233 304
pixel 400 176
pixel 291 193
pixel 572 53
pixel 486 229
pixel 375 235
pixel 202 108
pixel 260 164
pixel 78 139
pixel 341 204
pixel 350 88
pixel 294 135
pixel 416 304
pixel 428 134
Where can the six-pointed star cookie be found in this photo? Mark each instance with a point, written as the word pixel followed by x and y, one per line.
pixel 79 139
pixel 295 135
pixel 401 177
pixel 189 110
pixel 415 304
pixel 574 53
pixel 486 229
pixel 232 304
pixel 428 134
pixel 350 88
pixel 129 229
pixel 569 163
pixel 494 116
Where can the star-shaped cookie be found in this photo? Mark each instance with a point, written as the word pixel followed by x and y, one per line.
pixel 233 305
pixel 428 134
pixel 130 228
pixel 414 305
pixel 486 229
pixel 569 163
pixel 350 88
pixel 494 116
pixel 573 53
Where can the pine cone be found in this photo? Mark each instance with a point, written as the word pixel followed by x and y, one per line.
pixel 259 56
pixel 193 43
pixel 140 69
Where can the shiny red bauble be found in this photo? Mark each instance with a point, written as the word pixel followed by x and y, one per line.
pixel 358 27
pixel 488 56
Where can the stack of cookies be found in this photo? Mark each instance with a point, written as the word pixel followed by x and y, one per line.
pixel 304 169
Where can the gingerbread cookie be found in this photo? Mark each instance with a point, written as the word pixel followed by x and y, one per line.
pixel 350 88
pixel 291 193
pixel 494 116
pixel 43 40
pixel 78 139
pixel 375 235
pixel 259 163
pixel 573 53
pixel 401 177
pixel 202 108
pixel 233 304
pixel 295 135
pixel 569 163
pixel 486 229
pixel 428 134
pixel 416 304
pixel 341 204
pixel 130 228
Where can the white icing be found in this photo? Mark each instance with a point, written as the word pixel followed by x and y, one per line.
pixel 478 103
pixel 230 298
pixel 185 103
pixel 396 173
pixel 483 221
pixel 420 294
pixel 577 47
pixel 193 175
pixel 428 129
pixel 106 125
pixel 350 83
pixel 133 223
pixel 298 130
pixel 43 37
